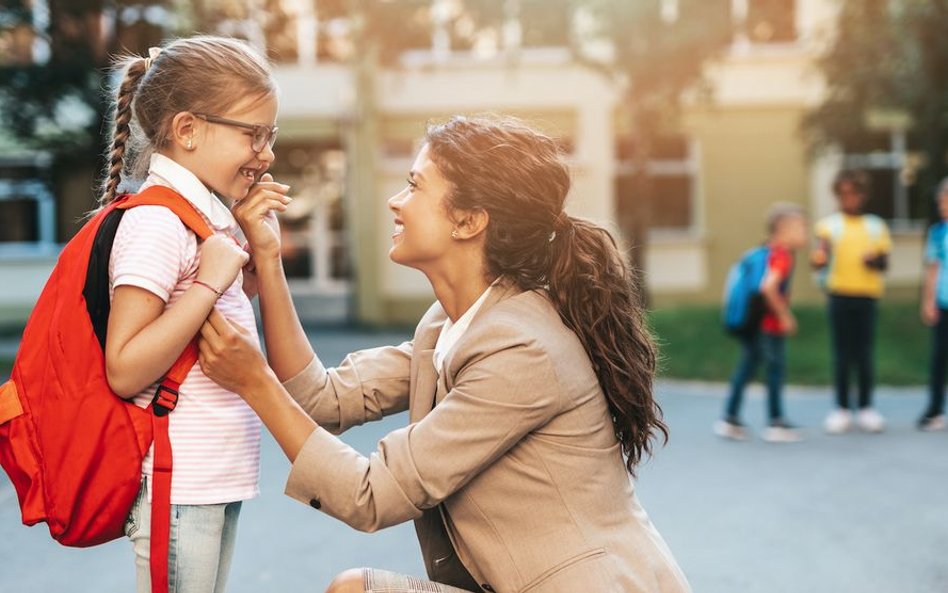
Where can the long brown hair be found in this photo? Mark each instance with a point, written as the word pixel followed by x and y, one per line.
pixel 518 176
pixel 202 73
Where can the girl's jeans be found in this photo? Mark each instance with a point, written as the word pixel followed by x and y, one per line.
pixel 200 550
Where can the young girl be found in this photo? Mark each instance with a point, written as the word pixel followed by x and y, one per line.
pixel 201 111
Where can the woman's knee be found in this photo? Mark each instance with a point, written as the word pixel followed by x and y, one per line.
pixel 350 581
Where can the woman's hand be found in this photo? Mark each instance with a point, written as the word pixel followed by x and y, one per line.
pixel 221 260
pixel 256 215
pixel 230 356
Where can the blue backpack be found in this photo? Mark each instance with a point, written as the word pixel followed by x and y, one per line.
pixel 744 305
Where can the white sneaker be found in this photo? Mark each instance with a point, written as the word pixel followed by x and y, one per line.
pixel 781 432
pixel 932 423
pixel 870 420
pixel 838 421
pixel 730 430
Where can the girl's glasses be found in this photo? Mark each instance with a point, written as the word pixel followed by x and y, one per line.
pixel 262 135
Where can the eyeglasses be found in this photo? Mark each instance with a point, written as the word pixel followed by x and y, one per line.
pixel 262 135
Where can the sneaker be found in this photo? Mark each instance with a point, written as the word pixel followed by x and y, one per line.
pixel 838 421
pixel 931 422
pixel 870 420
pixel 730 428
pixel 780 431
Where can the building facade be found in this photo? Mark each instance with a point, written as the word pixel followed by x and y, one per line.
pixel 350 126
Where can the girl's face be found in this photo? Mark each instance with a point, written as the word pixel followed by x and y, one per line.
pixel 851 200
pixel 422 223
pixel 223 157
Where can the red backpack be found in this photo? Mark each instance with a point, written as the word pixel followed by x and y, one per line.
pixel 72 448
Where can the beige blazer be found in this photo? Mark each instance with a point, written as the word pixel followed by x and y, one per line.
pixel 511 451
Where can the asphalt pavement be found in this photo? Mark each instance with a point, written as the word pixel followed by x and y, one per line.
pixel 852 513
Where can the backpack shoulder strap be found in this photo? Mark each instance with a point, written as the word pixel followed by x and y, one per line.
pixel 158 195
pixel 166 396
pixel 835 225
pixel 875 226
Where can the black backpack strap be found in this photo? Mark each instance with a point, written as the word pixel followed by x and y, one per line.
pixel 96 290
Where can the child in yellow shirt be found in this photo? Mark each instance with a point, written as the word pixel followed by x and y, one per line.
pixel 853 254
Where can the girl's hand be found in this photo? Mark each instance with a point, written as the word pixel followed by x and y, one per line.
pixel 256 215
pixel 230 356
pixel 221 260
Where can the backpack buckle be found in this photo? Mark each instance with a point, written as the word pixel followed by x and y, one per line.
pixel 165 400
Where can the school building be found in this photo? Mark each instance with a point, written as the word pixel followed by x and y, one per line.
pixel 349 129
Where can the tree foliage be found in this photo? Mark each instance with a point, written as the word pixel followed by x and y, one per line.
pixel 890 56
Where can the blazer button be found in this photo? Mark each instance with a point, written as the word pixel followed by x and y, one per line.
pixel 487 587
pixel 314 502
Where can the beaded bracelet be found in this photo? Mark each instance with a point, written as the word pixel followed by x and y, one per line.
pixel 209 287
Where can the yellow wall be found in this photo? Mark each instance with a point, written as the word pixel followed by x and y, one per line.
pixel 750 158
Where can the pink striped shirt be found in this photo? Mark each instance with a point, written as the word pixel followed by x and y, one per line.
pixel 215 436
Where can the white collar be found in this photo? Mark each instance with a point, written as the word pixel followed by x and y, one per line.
pixel 452 331
pixel 165 171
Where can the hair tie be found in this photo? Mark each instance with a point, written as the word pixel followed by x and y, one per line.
pixel 153 53
pixel 561 223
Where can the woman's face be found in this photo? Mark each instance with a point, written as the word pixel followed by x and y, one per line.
pixel 422 222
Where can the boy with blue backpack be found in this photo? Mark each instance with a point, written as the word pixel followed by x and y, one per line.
pixel 757 312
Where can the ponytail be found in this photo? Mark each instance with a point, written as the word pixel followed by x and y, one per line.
pixel 518 176
pixel 135 69
pixel 597 297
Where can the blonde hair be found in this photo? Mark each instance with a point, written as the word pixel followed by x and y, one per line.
pixel 780 211
pixel 199 74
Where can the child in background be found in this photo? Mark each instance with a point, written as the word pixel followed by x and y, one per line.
pixel 205 109
pixel 935 312
pixel 787 228
pixel 853 251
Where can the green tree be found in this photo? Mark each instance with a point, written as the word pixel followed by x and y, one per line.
pixel 657 55
pixel 888 56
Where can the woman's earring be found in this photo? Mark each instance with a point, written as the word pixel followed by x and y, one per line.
pixel 454 234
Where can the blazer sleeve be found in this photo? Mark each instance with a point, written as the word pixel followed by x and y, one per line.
pixel 368 385
pixel 506 389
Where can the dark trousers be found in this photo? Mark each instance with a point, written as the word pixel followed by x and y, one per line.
pixel 760 347
pixel 939 365
pixel 852 334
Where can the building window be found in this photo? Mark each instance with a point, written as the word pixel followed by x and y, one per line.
pixel 27 207
pixel 765 21
pixel 315 253
pixel 673 174
pixel 891 167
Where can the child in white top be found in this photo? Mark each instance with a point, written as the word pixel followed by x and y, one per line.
pixel 203 110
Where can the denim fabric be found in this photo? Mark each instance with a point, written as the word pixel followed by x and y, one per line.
pixel 200 550
pixel 761 347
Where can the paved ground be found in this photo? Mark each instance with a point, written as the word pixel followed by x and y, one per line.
pixel 860 513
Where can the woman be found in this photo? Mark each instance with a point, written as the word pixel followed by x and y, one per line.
pixel 527 383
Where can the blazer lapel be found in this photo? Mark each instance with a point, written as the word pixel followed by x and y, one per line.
pixel 502 290
pixel 423 385
pixel 423 376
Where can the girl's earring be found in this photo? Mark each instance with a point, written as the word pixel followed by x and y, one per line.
pixel 190 143
pixel 454 234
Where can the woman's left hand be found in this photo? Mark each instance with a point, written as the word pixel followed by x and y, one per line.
pixel 230 356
